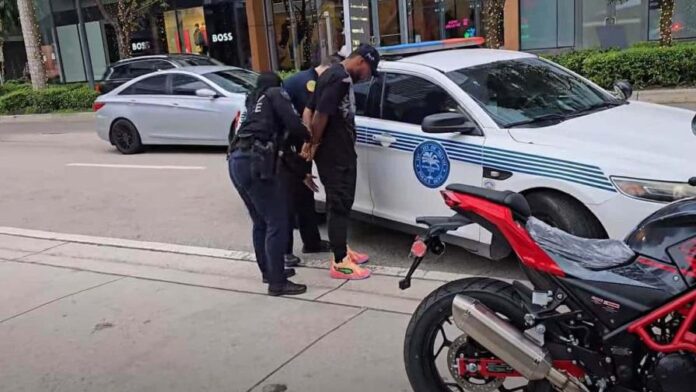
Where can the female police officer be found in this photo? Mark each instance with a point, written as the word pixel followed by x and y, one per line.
pixel 270 123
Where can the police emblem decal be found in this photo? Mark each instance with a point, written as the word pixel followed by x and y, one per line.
pixel 311 85
pixel 431 164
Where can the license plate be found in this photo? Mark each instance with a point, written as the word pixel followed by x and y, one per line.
pixel 419 248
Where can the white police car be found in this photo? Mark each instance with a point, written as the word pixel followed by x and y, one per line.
pixel 588 162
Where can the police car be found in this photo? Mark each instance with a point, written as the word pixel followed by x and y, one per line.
pixel 588 162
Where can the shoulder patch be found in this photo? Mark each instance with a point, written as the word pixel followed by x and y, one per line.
pixel 311 85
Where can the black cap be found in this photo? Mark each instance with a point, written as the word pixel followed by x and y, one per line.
pixel 370 54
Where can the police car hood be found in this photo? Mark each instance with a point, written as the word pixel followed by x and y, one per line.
pixel 639 140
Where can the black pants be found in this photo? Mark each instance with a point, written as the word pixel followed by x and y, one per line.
pixel 339 183
pixel 267 205
pixel 301 209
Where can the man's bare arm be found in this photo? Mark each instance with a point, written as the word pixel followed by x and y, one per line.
pixel 307 115
pixel 319 122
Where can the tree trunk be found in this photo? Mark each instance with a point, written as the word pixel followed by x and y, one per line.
pixel 493 20
pixel 2 53
pixel 666 14
pixel 30 32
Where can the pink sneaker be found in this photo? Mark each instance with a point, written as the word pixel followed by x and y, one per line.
pixel 347 269
pixel 358 258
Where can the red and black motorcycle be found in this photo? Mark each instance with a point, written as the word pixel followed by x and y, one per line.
pixel 596 315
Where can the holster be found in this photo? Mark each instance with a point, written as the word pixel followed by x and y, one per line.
pixel 263 160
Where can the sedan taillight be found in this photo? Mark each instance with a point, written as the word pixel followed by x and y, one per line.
pixel 98 105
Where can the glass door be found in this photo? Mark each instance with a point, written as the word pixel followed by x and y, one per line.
pixel 388 22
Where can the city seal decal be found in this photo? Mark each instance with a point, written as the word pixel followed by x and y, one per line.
pixel 431 164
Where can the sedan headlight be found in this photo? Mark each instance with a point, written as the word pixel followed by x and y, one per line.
pixel 665 192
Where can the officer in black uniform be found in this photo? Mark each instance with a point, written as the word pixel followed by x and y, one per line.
pixel 270 124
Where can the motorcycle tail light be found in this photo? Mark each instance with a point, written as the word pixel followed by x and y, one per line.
pixel 419 248
pixel 450 199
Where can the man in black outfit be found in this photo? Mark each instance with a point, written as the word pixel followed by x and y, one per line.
pixel 300 87
pixel 333 149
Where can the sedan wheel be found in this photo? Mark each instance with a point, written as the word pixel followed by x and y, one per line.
pixel 125 137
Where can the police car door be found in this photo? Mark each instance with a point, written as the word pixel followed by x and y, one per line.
pixel 410 166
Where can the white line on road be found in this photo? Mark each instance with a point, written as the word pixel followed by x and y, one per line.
pixel 154 167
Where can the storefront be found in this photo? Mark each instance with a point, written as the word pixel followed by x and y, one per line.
pixel 557 24
pixel 302 31
pixel 217 28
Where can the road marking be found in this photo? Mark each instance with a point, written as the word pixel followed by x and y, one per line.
pixel 154 167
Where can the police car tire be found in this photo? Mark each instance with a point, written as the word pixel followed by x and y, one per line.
pixel 566 213
pixel 123 125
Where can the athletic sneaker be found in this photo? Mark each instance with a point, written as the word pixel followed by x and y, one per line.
pixel 358 258
pixel 347 269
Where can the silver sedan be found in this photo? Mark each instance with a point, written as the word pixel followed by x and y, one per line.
pixel 187 106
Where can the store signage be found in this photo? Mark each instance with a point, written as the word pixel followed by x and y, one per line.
pixel 456 23
pixel 140 46
pixel 222 37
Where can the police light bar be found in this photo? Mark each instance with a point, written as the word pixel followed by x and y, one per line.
pixel 430 46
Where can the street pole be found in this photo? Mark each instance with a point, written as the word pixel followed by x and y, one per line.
pixel 86 56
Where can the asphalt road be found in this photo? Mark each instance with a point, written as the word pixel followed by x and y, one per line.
pixel 50 182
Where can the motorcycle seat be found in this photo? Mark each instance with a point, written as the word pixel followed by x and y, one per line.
pixel 592 254
pixel 516 202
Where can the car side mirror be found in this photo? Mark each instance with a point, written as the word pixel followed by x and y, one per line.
pixel 206 93
pixel 623 89
pixel 448 123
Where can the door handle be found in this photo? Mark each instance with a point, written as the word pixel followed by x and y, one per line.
pixel 384 139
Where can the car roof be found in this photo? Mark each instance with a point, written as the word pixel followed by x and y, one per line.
pixel 451 60
pixel 160 56
pixel 204 69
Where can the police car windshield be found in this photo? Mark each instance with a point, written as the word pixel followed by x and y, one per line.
pixel 234 80
pixel 530 91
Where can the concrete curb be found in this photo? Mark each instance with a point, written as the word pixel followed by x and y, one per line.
pixel 664 96
pixel 207 252
pixel 24 118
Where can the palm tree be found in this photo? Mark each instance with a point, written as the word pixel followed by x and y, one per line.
pixel 493 22
pixel 8 21
pixel 30 32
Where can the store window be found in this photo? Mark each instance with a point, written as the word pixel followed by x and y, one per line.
pixel 547 24
pixel 683 20
pixel 186 31
pixel 431 20
pixel 305 31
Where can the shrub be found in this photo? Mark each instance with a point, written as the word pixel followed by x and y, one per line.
pixel 11 86
pixel 644 66
pixel 286 74
pixel 52 99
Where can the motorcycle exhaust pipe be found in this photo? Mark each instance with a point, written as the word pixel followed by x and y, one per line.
pixel 509 344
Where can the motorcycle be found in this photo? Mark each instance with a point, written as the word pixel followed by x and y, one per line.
pixel 595 315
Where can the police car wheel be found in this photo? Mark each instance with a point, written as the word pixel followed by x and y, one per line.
pixel 566 213
pixel 125 137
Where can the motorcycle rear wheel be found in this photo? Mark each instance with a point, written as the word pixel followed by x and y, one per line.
pixel 420 355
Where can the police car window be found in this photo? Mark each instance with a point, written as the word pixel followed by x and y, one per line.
pixel 187 85
pixel 410 99
pixel 519 91
pixel 155 85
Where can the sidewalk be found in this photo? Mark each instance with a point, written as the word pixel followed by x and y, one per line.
pixel 86 317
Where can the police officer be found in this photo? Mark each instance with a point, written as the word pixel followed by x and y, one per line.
pixel 333 149
pixel 270 123
pixel 300 87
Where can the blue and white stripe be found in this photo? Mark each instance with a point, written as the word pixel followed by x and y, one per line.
pixel 500 159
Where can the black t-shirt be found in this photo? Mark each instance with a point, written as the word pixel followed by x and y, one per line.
pixel 334 97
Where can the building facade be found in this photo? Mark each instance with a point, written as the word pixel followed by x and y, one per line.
pixel 293 34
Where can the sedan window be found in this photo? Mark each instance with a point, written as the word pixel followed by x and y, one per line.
pixel 233 80
pixel 410 99
pixel 529 91
pixel 155 85
pixel 187 85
